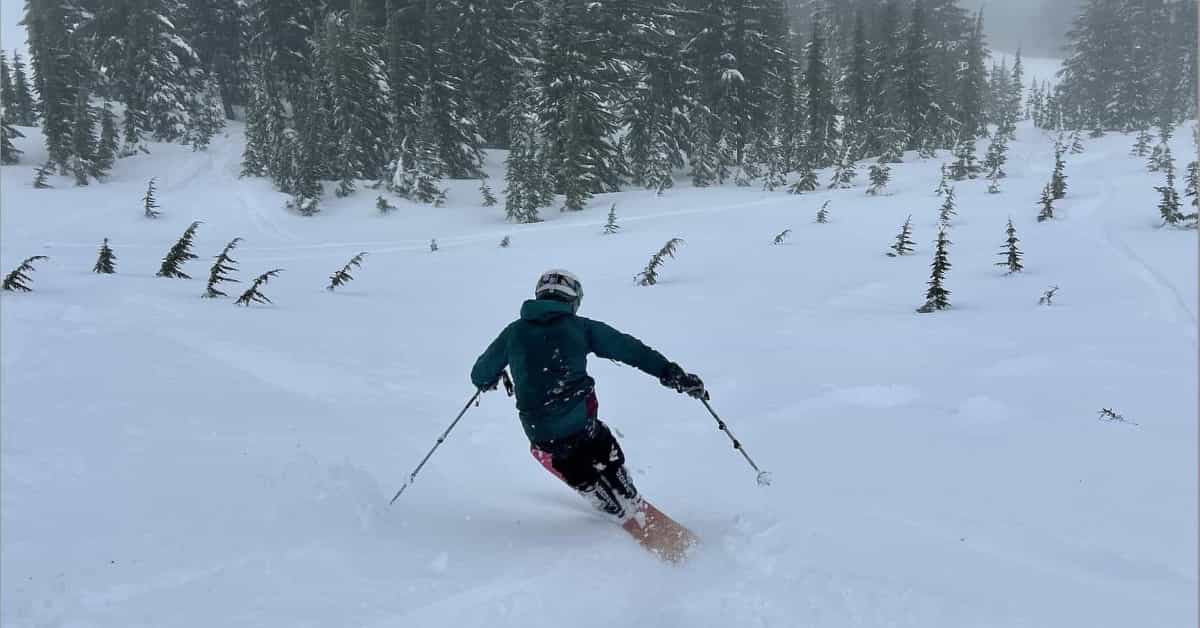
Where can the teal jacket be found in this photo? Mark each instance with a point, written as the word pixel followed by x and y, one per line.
pixel 547 351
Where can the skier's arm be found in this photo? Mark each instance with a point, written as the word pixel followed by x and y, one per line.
pixel 486 371
pixel 609 343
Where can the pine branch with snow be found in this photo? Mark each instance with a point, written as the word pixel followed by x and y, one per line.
pixel 343 276
pixel 649 274
pixel 253 294
pixel 19 279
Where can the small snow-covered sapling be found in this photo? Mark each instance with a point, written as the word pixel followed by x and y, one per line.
pixel 18 279
pixel 1011 253
pixel 150 202
pixel 782 237
pixel 343 276
pixel 937 297
pixel 823 213
pixel 649 274
pixel 904 243
pixel 253 294
pixel 611 226
pixel 172 264
pixel 106 262
pixel 1048 296
pixel 383 205
pixel 433 247
pixel 222 266
pixel 1112 416
pixel 505 242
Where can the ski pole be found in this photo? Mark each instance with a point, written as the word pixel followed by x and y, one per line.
pixel 412 476
pixel 763 478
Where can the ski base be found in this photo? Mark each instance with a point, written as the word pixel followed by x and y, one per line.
pixel 660 534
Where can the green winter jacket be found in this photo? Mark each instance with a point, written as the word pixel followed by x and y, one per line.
pixel 547 351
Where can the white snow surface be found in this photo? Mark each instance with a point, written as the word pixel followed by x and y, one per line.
pixel 172 461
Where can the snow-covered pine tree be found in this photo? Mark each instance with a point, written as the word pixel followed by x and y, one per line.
pixel 485 192
pixel 611 226
pixel 937 297
pixel 880 175
pixel 7 95
pixel 1141 147
pixel 1169 206
pixel 943 181
pixel 109 146
pixel 83 142
pixel 704 158
pixel 997 156
pixel 418 176
pixel 808 179
pixel 343 276
pixel 860 115
pixel 653 111
pixel 223 264
pixel 916 83
pixel 1193 172
pixel 575 118
pixel 904 243
pixel 9 153
pixel 18 279
pixel 649 274
pixel 150 201
pixel 305 149
pixel 782 237
pixel 887 80
pixel 947 212
pixel 525 174
pixel 180 253
pixel 58 66
pixel 972 87
pixel 1047 204
pixel 823 131
pixel 845 171
pixel 823 213
pixel 205 113
pixel 965 165
pixel 1058 178
pixel 775 168
pixel 106 260
pixel 41 174
pixel 353 79
pixel 253 294
pixel 23 106
pixel 1011 252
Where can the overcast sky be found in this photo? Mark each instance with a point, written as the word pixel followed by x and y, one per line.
pixel 1037 26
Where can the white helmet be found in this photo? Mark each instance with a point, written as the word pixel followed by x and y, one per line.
pixel 561 285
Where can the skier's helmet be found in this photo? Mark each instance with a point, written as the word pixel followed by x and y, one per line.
pixel 560 285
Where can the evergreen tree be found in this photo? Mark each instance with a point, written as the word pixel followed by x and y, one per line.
pixel 418 176
pixel 383 205
pixel 649 274
pixel 846 170
pixel 611 226
pixel 83 142
pixel 1141 147
pixel 1193 172
pixel 18 279
pixel 7 95
pixel 107 149
pixel 857 85
pixel 505 242
pixel 180 253
pixel 206 115
pixel 1058 179
pixel 947 211
pixel 219 273
pixel 353 79
pixel 59 67
pixel 965 165
pixel 1047 204
pixel 525 173
pixel 576 122
pixel 704 158
pixel 997 156
pixel 106 262
pixel 149 201
pixel 937 297
pixel 9 153
pixel 343 276
pixel 1169 206
pixel 972 82
pixel 823 133
pixel 485 192
pixel 807 181
pixel 823 213
pixel 904 243
pixel 40 176
pixel 253 294
pixel 943 181
pixel 1011 253
pixel 24 108
pixel 654 110
pixel 916 89
pixel 880 175
pixel 306 152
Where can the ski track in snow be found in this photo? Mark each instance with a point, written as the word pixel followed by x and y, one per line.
pixel 175 461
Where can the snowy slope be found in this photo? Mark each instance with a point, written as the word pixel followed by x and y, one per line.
pixel 175 461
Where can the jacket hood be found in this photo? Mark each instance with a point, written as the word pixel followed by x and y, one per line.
pixel 544 310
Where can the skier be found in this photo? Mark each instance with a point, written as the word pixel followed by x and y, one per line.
pixel 547 349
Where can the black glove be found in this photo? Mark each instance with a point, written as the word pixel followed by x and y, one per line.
pixel 675 377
